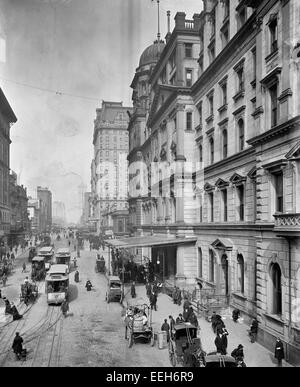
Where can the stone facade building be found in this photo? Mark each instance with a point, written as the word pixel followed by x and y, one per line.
pixel 218 160
pixel 109 182
pixel 19 221
pixel 7 119
pixel 45 198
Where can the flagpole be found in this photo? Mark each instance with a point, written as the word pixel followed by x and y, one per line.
pixel 158 34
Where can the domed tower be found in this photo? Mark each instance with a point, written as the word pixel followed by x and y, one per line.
pixel 138 131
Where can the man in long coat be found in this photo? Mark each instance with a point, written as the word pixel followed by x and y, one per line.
pixel 279 351
pixel 17 345
pixel 166 327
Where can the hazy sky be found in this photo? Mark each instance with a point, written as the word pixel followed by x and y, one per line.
pixel 84 48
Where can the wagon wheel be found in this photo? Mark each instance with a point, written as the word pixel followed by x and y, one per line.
pixel 172 355
pixel 130 341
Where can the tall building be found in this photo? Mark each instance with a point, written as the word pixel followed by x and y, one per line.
pixel 58 213
pixel 109 167
pixel 45 198
pixel 19 221
pixel 220 161
pixel 7 119
pixel 34 209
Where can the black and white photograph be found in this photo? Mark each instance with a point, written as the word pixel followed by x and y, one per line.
pixel 150 186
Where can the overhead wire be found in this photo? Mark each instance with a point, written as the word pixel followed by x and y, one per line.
pixel 56 92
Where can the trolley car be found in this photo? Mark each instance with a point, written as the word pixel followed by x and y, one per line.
pixel 57 284
pixel 47 253
pixel 38 270
pixel 63 257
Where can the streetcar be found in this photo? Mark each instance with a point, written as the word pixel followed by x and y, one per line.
pixel 38 270
pixel 63 257
pixel 57 284
pixel 48 253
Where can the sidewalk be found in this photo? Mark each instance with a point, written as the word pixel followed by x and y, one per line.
pixel 255 354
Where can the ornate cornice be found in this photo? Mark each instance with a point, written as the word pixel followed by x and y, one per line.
pixel 275 132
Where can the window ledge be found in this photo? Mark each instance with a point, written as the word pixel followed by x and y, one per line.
pixel 210 119
pixel 275 318
pixel 239 295
pixel 223 108
pixel 271 56
pixel 198 128
pixel 239 95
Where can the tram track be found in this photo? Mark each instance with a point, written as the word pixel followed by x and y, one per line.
pixel 47 345
pixel 8 332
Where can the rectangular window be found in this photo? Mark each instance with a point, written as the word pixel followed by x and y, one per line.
pixel 226 8
pixel 189 125
pixel 211 105
pixel 241 79
pixel 254 60
pixel 274 104
pixel 213 22
pixel 241 194
pixel 200 209
pixel 200 111
pixel 188 77
pixel 273 27
pixel 211 206
pixel 279 192
pixel 224 197
pixel 224 94
pixel 188 50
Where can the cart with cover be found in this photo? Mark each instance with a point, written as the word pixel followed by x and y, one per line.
pixel 138 324
pixel 185 347
pixel 114 290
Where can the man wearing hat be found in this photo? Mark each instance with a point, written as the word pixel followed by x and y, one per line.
pixel 17 345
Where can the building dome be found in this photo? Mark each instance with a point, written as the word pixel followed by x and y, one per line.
pixel 152 53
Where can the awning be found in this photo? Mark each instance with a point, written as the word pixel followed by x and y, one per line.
pixel 149 241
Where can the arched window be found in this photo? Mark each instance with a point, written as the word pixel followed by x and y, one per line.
pixel 276 291
pixel 225 143
pixel 241 128
pixel 211 266
pixel 240 273
pixel 200 263
pixel 212 150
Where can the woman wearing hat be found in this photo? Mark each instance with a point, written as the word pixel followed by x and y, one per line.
pixel 238 355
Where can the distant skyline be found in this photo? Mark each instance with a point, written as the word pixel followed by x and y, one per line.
pixel 63 57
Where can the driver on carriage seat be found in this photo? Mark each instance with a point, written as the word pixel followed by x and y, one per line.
pixel 144 318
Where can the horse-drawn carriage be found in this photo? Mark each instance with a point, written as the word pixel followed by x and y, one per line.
pixel 114 289
pixel 29 292
pixel 100 265
pixel 138 324
pixel 185 347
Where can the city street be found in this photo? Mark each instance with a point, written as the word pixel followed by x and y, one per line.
pixel 92 334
